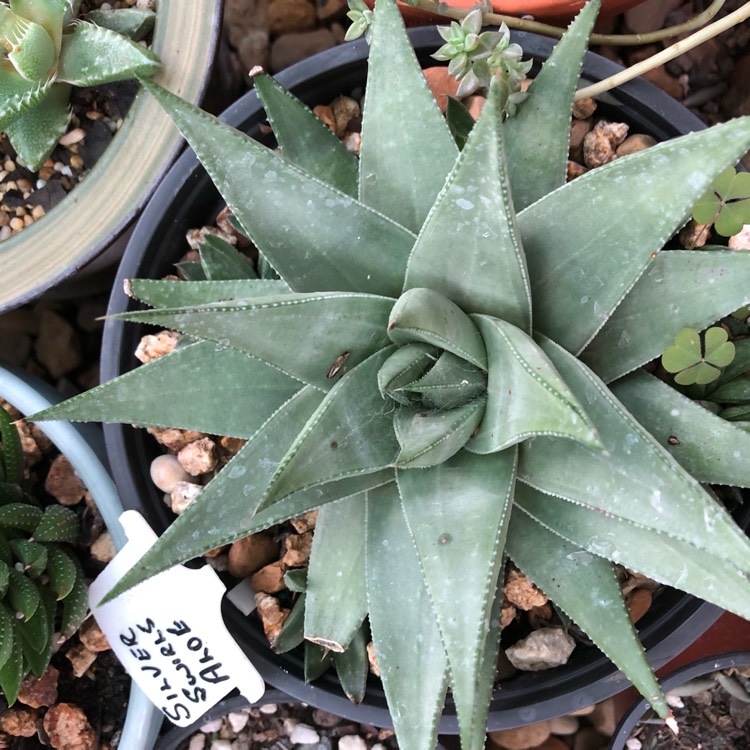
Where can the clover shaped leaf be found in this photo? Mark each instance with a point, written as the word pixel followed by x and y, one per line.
pixel 726 204
pixel 698 360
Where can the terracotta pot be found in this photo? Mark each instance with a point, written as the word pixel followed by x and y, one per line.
pixel 555 11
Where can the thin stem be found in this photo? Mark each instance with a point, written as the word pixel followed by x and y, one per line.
pixel 668 54
pixel 522 24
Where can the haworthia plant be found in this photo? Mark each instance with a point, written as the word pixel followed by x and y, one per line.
pixel 38 568
pixel 421 375
pixel 47 49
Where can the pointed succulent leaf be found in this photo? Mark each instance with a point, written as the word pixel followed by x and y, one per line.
pixel 35 131
pixel 405 632
pixel 11 452
pixel 711 449
pixel 703 287
pixel 304 139
pixel 577 281
pixel 133 23
pixel 353 666
pixel 274 191
pixel 19 516
pixel 469 249
pixel 211 520
pixel 31 555
pixel 739 414
pixel 50 14
pixel 350 433
pixel 161 294
pixel 318 661
pixel 93 55
pixel 222 261
pixel 6 555
pixel 348 329
pixel 585 588
pixel 75 605
pixel 459 121
pixel 292 632
pixel 466 535
pixel 525 394
pixel 191 270
pixel 295 580
pixel 405 366
pixel 635 479
pixel 39 631
pixel 417 141
pixel 428 438
pixel 58 524
pixel 427 316
pixel 18 95
pixel 736 391
pixel 22 594
pixel 6 636
pixel 32 51
pixel 254 389
pixel 451 382
pixel 538 135
pixel 336 600
pixel 12 672
pixel 660 556
pixel 61 570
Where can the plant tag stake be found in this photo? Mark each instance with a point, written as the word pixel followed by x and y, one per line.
pixel 169 634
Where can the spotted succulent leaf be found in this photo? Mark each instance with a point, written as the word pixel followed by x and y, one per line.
pixel 23 595
pixel 221 261
pixel 58 524
pixel 12 672
pixel 31 555
pixel 6 635
pixel 11 453
pixel 353 666
pixel 75 605
pixel 20 516
pixel 62 571
pixel 164 294
pixel 133 23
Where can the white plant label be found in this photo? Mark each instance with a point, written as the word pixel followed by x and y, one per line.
pixel 169 634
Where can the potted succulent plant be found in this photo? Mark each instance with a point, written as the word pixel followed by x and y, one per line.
pixel 84 448
pixel 55 54
pixel 405 392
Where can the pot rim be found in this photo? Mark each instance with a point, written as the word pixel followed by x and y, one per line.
pixel 71 235
pixel 674 679
pixel 543 695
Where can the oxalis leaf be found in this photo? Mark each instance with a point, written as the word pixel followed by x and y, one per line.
pixel 568 236
pixel 585 588
pixel 466 535
pixel 274 190
pixel 636 479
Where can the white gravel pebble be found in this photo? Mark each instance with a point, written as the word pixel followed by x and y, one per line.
pixel 238 720
pixel 303 734
pixel 352 742
pixel 197 742
pixel 221 745
pixel 211 726
pixel 268 708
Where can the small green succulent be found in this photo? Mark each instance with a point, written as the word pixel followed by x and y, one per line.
pixel 37 569
pixel 46 50
pixel 443 354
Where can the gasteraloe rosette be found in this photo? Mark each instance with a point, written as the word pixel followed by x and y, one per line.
pixel 448 366
pixel 37 569
pixel 47 50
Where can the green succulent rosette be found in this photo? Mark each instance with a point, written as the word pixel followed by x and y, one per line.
pixel 443 353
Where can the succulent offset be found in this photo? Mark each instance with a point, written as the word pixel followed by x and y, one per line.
pixel 47 50
pixel 443 353
pixel 37 569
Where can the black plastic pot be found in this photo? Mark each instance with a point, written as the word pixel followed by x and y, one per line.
pixel 674 679
pixel 187 199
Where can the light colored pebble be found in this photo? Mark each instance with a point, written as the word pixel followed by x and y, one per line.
pixel 303 734
pixel 9 166
pixel 268 708
pixel 5 232
pixel 238 720
pixel 197 742
pixel 16 224
pixel 221 745
pixel 40 184
pixel 166 472
pixel 352 742
pixel 183 494
pixel 103 548
pixel 564 725
pixel 211 726
pixel 542 649
pixel 73 136
pixel 37 212
pixel 634 744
